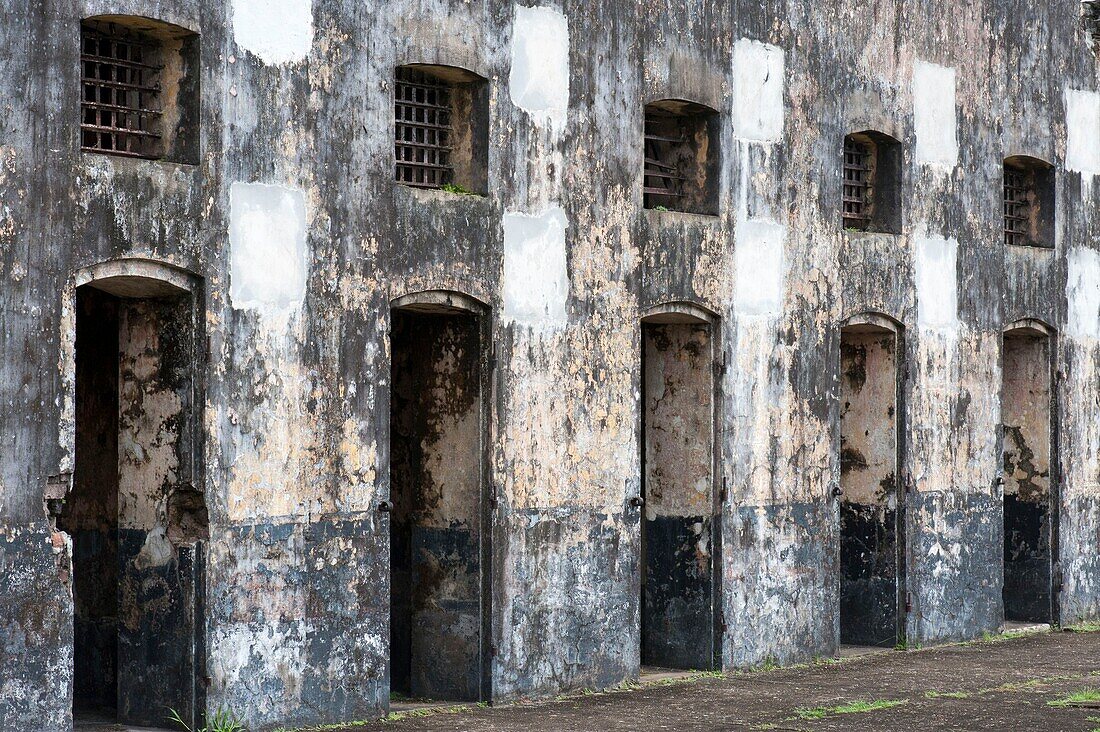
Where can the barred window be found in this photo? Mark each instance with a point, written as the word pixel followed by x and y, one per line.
pixel 1028 202
pixel 871 183
pixel 121 103
pixel 139 88
pixel 858 157
pixel 680 160
pixel 440 128
pixel 422 118
pixel 1017 206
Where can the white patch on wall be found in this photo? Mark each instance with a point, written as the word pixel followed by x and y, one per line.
pixel 1083 131
pixel 536 279
pixel 758 91
pixel 760 264
pixel 538 82
pixel 276 31
pixel 267 235
pixel 1083 294
pixel 937 283
pixel 934 117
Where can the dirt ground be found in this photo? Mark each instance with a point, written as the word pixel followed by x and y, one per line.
pixel 991 685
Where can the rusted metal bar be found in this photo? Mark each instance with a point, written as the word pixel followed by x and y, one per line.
pixel 857 184
pixel 119 114
pixel 1017 207
pixel 422 130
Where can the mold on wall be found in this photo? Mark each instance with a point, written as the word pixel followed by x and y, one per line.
pixel 290 222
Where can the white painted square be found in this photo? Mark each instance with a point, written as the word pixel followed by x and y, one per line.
pixel 1083 294
pixel 276 31
pixel 1083 131
pixel 269 259
pixel 536 277
pixel 758 91
pixel 538 82
pixel 937 283
pixel 760 262
pixel 935 118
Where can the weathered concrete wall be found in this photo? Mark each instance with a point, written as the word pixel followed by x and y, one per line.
pixel 292 224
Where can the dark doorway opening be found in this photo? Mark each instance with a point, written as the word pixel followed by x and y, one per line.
pixel 1026 412
pixel 137 521
pixel 870 500
pixel 678 531
pixel 438 530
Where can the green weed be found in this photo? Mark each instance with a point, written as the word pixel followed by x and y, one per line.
pixel 856 707
pixel 946 695
pixel 1082 697
pixel 456 188
pixel 222 720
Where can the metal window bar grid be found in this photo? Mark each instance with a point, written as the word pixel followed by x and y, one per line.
pixel 422 130
pixel 660 178
pixel 119 98
pixel 857 184
pixel 1017 207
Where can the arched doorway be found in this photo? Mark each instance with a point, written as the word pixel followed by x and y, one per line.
pixel 679 533
pixel 136 512
pixel 1029 488
pixel 871 495
pixel 439 521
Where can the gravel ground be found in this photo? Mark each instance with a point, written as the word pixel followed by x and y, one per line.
pixel 994 685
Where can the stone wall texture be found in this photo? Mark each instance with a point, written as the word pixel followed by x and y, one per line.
pixel 292 240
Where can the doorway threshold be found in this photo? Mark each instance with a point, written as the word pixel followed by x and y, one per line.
pixel 658 674
pixel 1024 627
pixel 847 651
pixel 417 705
pixel 99 722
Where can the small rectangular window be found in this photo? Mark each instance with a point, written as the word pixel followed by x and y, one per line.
pixel 857 184
pixel 422 116
pixel 440 131
pixel 139 89
pixel 872 183
pixel 1017 207
pixel 1028 202
pixel 680 163
pixel 121 103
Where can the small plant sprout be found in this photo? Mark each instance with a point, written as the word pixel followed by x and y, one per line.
pixel 456 188
pixel 222 720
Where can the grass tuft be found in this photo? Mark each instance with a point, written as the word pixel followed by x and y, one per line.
pixel 1088 627
pixel 856 707
pixel 946 695
pixel 1082 697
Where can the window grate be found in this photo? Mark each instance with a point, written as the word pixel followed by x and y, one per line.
pixel 1017 207
pixel 422 130
pixel 120 97
pixel 661 177
pixel 857 184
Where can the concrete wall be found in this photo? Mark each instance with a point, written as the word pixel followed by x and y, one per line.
pixel 292 224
